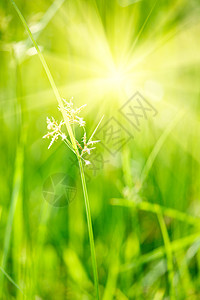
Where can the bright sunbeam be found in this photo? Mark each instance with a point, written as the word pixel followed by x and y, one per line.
pixel 108 54
pixel 116 77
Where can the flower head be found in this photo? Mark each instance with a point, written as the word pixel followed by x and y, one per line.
pixel 55 130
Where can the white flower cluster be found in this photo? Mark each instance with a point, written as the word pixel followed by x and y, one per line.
pixel 55 130
pixel 72 113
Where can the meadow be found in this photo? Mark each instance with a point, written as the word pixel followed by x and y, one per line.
pixel 99 150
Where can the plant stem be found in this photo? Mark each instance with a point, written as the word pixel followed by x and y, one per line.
pixel 90 230
pixel 168 252
pixel 72 138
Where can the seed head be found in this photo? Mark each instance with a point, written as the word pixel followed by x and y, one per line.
pixel 55 129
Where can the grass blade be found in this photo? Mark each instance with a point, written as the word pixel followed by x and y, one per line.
pixel 168 252
pixel 158 146
pixel 151 207
pixel 10 279
pixel 14 198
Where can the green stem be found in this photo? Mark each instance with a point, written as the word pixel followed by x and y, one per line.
pixel 90 230
pixel 168 251
pixel 72 138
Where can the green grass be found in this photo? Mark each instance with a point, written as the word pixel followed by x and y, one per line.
pixel 137 217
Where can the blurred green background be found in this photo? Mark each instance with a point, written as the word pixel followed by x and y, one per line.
pixel 145 199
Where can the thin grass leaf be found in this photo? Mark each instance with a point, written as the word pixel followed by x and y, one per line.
pixel 95 129
pixel 168 251
pixel 158 253
pixel 158 147
pixel 11 280
pixel 14 198
pixel 151 207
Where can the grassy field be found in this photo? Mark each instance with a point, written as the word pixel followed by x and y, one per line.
pixel 121 221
